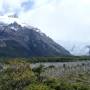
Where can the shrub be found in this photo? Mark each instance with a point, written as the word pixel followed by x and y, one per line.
pixel 38 87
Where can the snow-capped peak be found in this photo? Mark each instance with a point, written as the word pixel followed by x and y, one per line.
pixel 12 19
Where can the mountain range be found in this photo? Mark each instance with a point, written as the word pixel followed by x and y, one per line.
pixel 26 41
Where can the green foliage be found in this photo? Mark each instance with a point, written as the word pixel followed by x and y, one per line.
pixel 47 59
pixel 38 87
pixel 80 86
pixel 15 76
pixel 58 59
pixel 18 75
pixel 61 84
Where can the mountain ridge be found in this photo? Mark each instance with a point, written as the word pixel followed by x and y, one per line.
pixel 17 40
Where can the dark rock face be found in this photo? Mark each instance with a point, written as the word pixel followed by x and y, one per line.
pixel 16 40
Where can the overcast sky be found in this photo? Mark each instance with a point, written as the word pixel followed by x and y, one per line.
pixel 65 20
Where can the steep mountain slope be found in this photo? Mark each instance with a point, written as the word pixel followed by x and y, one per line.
pixel 17 40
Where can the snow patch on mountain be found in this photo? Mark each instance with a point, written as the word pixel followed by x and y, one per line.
pixel 10 19
pixel 13 28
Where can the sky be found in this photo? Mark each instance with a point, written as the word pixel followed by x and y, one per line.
pixel 65 20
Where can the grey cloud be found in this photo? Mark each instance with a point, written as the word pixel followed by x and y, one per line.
pixel 27 5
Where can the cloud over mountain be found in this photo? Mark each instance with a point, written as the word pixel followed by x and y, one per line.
pixel 60 19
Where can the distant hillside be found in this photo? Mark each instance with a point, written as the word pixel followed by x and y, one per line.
pixel 76 48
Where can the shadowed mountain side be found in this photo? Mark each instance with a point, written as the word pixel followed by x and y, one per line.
pixel 23 41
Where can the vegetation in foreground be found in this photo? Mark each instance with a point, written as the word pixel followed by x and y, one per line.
pixel 16 74
pixel 49 59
